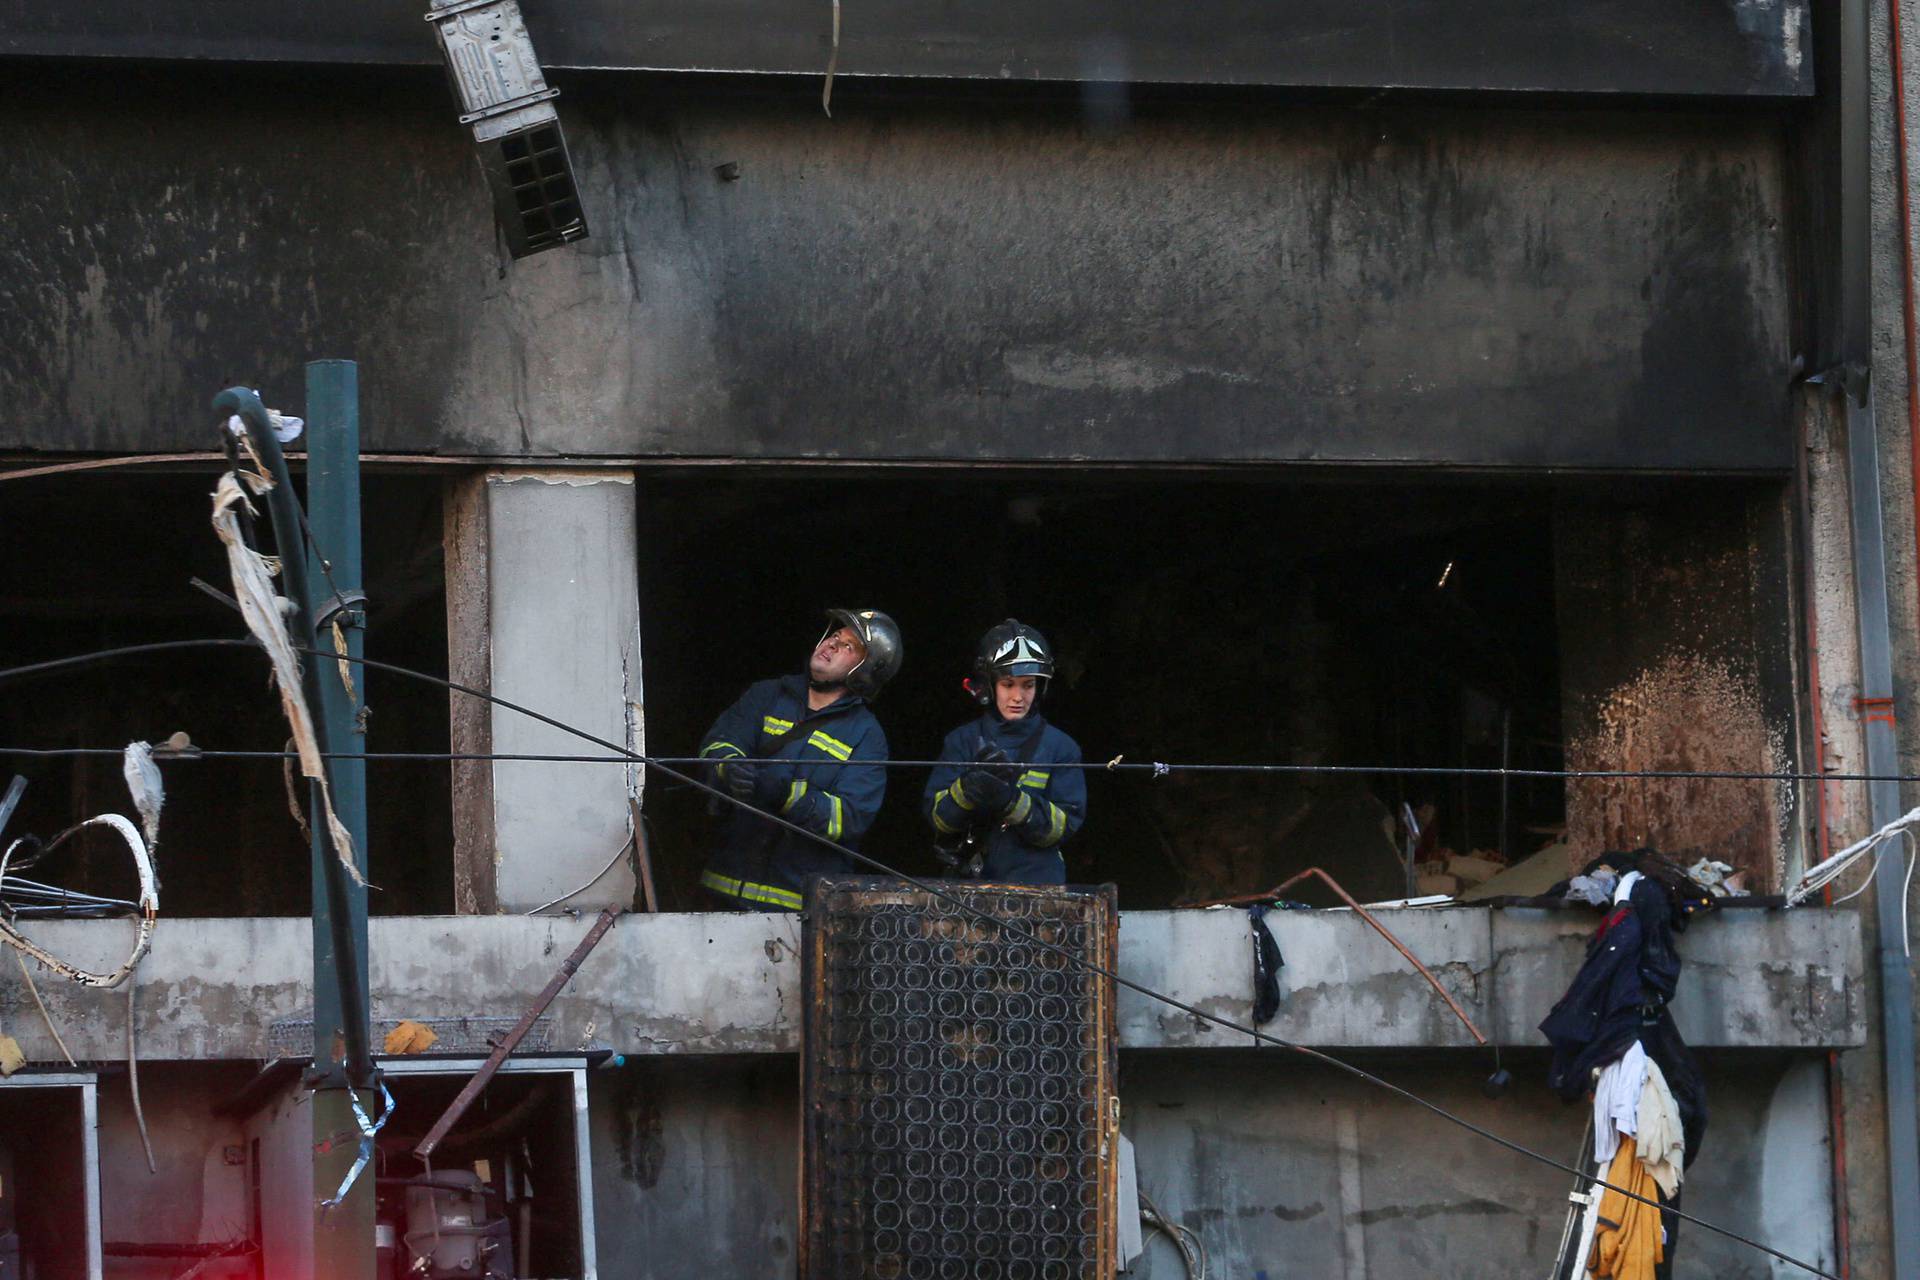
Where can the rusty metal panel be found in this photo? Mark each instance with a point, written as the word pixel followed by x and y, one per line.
pixel 959 1116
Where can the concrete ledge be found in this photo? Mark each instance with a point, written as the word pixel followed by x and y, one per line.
pixel 729 984
pixel 1752 979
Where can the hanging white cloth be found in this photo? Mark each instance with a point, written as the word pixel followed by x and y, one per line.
pixel 1616 1101
pixel 1660 1143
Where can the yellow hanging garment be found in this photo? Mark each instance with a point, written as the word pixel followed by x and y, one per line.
pixel 1628 1243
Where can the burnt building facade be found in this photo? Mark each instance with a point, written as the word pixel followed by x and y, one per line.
pixel 1452 386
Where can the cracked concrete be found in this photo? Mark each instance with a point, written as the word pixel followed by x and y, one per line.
pixel 729 984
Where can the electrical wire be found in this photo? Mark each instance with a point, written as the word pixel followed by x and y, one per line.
pixel 133 1067
pixel 1116 765
pixel 959 903
pixel 619 853
pixel 1159 769
pixel 99 464
pixel 1089 966
pixel 1822 875
pixel 33 989
pixel 1193 1251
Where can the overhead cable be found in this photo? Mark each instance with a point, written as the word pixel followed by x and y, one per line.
pixel 661 766
pixel 1080 961
pixel 149 905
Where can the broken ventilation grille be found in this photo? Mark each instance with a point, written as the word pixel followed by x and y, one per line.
pixel 472 1036
pixel 958 1085
pixel 505 98
pixel 537 174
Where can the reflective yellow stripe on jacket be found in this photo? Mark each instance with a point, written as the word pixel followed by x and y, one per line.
pixel 831 745
pixel 748 891
pixel 1056 824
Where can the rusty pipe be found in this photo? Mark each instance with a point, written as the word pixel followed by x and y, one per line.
pixel 458 1107
pixel 1247 899
pixel 642 856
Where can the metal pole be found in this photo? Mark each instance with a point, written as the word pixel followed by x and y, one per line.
pixel 1883 799
pixel 1854 340
pixel 333 514
pixel 343 1234
pixel 354 1059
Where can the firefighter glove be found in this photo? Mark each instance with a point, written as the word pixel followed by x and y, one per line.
pixel 994 760
pixel 742 777
pixel 987 790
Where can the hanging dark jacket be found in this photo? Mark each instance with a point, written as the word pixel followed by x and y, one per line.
pixel 813 773
pixel 1023 840
pixel 1619 996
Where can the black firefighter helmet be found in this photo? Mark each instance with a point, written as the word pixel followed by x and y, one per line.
pixel 1011 649
pixel 881 638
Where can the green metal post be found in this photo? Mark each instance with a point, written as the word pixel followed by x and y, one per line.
pixel 333 512
pixel 343 1233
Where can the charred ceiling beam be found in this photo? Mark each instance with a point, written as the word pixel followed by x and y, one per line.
pixel 1712 47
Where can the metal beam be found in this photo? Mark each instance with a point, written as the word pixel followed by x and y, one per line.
pixel 1717 47
pixel 1883 798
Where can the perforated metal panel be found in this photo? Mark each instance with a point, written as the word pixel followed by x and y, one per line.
pixel 958 1084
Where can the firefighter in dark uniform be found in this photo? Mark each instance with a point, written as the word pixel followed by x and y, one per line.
pixel 798 747
pixel 999 805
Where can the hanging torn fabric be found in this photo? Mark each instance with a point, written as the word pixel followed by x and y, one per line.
pixel 1267 963
pixel 265 615
pixel 1660 1139
pixel 1614 1040
pixel 1621 992
pixel 149 794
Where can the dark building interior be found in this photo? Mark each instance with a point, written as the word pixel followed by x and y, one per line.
pixel 1198 619
pixel 97 562
pixel 1369 622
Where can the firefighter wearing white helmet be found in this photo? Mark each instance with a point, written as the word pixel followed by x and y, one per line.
pixel 801 747
pixel 1001 801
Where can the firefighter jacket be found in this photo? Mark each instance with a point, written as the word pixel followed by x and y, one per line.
pixel 1023 840
pixel 812 772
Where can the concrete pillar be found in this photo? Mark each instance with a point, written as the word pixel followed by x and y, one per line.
pixel 543 610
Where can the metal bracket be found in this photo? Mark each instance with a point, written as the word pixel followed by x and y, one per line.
pixel 443 12
pixel 1853 380
pixel 349 602
pixel 332 1076
pixel 1871 709
pixel 511 104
